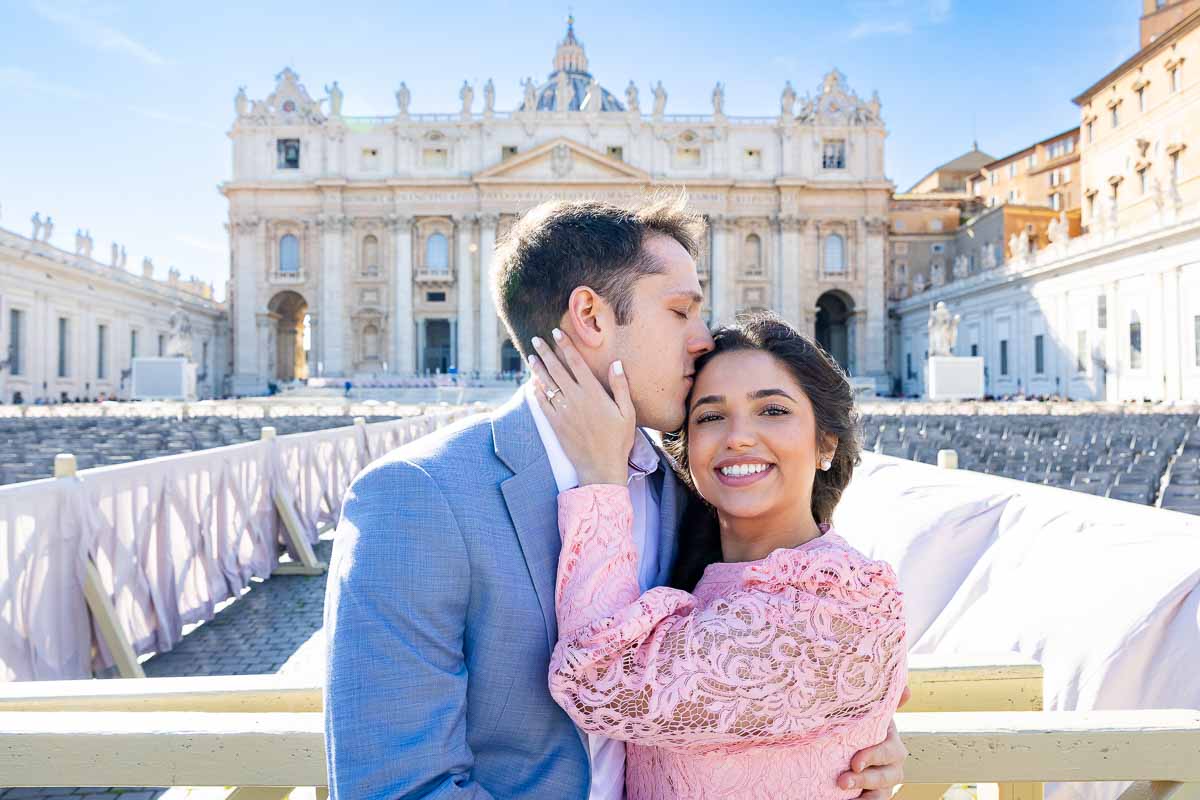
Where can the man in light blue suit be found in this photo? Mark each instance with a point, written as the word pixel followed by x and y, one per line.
pixel 439 614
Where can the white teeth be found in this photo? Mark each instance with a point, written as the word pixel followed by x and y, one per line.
pixel 738 470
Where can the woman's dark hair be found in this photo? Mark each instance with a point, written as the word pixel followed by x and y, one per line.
pixel 827 388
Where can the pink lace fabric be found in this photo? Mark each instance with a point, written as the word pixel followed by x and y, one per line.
pixel 762 684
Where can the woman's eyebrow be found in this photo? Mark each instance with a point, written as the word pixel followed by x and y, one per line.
pixel 761 393
pixel 709 398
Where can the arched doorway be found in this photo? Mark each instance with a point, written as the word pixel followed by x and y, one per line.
pixel 292 336
pixel 833 326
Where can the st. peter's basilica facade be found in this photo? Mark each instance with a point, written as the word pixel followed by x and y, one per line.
pixel 363 245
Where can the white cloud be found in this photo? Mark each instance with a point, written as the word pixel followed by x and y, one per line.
pixel 94 33
pixel 28 81
pixel 896 17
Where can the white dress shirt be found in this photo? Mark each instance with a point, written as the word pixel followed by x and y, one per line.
pixel 607 756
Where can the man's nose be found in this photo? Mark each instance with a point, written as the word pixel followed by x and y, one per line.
pixel 702 341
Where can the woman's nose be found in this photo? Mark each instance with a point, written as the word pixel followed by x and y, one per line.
pixel 739 434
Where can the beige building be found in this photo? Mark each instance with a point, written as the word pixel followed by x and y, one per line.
pixel 363 245
pixel 1159 16
pixel 1136 124
pixel 953 175
pixel 70 324
pixel 1043 174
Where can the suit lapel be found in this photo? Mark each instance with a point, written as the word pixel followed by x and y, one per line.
pixel 670 508
pixel 531 496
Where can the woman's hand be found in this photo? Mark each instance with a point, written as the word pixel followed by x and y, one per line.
pixel 595 429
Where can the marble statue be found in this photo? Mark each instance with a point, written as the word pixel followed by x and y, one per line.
pixel 943 330
pixel 718 99
pixel 660 99
pixel 564 92
pixel 116 255
pixel 467 95
pixel 147 267
pixel 530 95
pixel 874 108
pixel 124 257
pixel 631 96
pixel 1014 248
pixel 403 97
pixel 335 99
pixel 962 265
pixel 240 103
pixel 1024 242
pixel 179 341
pixel 1059 230
pixel 78 241
pixel 36 219
pixel 88 244
pixel 48 228
pixel 787 101
pixel 489 97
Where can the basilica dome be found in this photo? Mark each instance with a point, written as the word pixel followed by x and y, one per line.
pixel 570 80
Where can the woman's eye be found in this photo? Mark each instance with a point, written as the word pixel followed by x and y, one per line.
pixel 775 411
pixel 706 418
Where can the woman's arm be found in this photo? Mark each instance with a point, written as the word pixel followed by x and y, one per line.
pixel 814 642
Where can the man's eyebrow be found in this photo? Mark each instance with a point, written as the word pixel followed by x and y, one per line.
pixel 695 297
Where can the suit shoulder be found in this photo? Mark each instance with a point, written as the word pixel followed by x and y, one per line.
pixel 465 444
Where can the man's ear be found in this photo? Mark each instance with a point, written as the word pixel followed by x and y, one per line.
pixel 588 317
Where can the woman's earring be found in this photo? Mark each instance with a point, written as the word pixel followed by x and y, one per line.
pixel 826 464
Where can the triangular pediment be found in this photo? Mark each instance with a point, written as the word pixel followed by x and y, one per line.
pixel 561 160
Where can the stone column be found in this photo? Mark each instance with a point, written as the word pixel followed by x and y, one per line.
pixel 402 281
pixel 249 254
pixel 465 282
pixel 333 295
pixel 790 227
pixel 489 347
pixel 721 272
pixel 872 350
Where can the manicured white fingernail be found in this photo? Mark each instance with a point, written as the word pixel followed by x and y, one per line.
pixel 532 359
pixel 557 335
pixel 618 368
pixel 538 343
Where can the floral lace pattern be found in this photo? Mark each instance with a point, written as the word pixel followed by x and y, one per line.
pixel 762 684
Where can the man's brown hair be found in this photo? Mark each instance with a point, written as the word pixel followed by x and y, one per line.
pixel 557 247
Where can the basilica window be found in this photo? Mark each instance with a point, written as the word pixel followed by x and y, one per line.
pixel 162 345
pixel 1039 354
pixel 64 346
pixel 370 255
pixel 435 153
pixel 289 255
pixel 16 330
pixel 752 254
pixel 615 152
pixel 507 151
pixel 833 154
pixel 437 253
pixel 835 253
pixel 101 352
pixel 370 158
pixel 1135 341
pixel 753 158
pixel 289 153
pixel 370 340
pixel 1081 344
pixel 1004 356
pixel 687 151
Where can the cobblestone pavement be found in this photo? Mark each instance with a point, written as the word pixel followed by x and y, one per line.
pixel 254 635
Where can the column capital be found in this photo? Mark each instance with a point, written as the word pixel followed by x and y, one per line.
pixel 332 222
pixel 720 222
pixel 876 226
pixel 400 222
pixel 489 219
pixel 464 218
pixel 249 224
pixel 790 223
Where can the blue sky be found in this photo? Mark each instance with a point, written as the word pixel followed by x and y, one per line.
pixel 115 114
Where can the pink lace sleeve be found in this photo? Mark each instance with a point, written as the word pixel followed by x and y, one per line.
pixel 810 642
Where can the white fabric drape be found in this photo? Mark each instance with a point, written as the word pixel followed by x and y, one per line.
pixel 1104 594
pixel 170 537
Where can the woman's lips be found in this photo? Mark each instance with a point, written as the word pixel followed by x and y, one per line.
pixel 744 480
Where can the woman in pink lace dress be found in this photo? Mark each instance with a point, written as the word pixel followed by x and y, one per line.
pixel 781 651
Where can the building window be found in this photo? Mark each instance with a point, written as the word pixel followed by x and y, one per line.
pixel 1053 177
pixel 753 158
pixel 507 151
pixel 1031 160
pixel 162 345
pixel 752 254
pixel 1012 169
pixel 1091 198
pixel 289 153
pixel 1064 175
pixel 1056 201
pixel 435 157
pixel 1142 180
pixel 1174 80
pixel 1102 312
pixel 992 178
pixel 1196 339
pixel 370 255
pixel 908 370
pixel 370 343
pixel 437 253
pixel 974 350
pixel 937 247
pixel 133 337
pixel 1135 342
pixel 204 357
pixel 1141 93
pixel 1004 356
pixel 64 332
pixel 435 297
pixel 1081 338
pixel 101 352
pixel 16 331
pixel 833 156
pixel 835 253
pixel 1175 173
pixel 289 255
pixel 1115 116
pixel 615 152
pixel 1091 133
pixel 1012 195
pixel 1039 354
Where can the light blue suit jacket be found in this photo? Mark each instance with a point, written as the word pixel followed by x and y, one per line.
pixel 439 617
